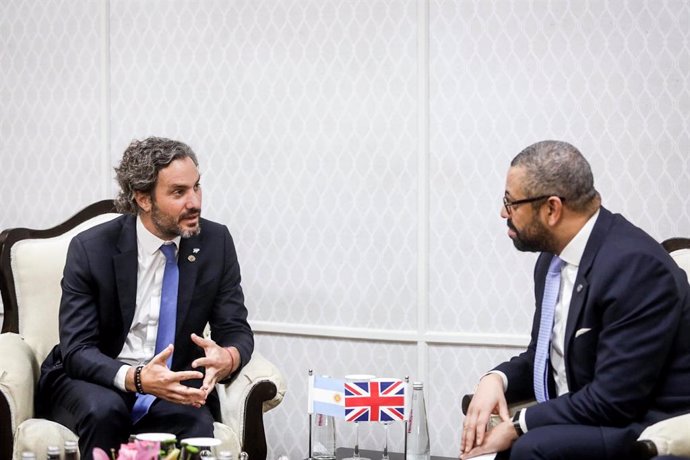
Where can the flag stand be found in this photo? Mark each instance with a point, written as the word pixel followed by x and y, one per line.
pixel 407 382
pixel 311 372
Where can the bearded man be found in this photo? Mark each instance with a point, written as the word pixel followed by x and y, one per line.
pixel 137 293
pixel 610 350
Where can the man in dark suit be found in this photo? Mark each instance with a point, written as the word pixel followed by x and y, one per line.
pixel 137 293
pixel 609 352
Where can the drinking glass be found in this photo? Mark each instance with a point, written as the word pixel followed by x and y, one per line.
pixel 358 378
pixel 199 448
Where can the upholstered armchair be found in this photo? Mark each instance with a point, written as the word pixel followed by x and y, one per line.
pixel 31 264
pixel 671 436
pixel 668 437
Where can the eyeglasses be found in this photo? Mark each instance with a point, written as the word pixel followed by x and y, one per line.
pixel 511 204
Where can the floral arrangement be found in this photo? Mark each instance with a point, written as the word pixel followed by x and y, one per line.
pixel 139 450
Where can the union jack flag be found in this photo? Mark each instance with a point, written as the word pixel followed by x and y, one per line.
pixel 380 400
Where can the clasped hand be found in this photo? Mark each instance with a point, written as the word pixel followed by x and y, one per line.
pixel 158 380
pixel 476 440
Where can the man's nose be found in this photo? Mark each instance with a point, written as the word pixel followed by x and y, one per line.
pixel 194 200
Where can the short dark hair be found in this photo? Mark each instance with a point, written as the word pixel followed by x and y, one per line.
pixel 557 168
pixel 139 167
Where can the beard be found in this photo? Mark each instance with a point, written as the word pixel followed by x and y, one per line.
pixel 170 225
pixel 535 237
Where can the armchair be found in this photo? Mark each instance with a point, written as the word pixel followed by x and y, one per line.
pixel 668 437
pixel 31 263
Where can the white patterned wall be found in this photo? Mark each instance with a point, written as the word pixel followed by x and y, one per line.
pixel 357 151
pixel 51 151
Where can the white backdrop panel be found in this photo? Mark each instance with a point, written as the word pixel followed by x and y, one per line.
pixel 610 77
pixel 303 115
pixel 50 110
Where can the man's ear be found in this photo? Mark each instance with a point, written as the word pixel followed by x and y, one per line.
pixel 554 210
pixel 143 200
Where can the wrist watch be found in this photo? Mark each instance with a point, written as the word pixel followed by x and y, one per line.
pixel 516 423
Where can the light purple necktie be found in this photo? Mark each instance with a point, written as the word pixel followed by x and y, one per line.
pixel 166 322
pixel 548 304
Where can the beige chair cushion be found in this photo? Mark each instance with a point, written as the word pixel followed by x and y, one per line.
pixel 682 258
pixel 670 436
pixel 36 434
pixel 40 262
pixel 233 396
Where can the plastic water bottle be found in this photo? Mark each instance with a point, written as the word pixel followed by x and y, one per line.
pixel 418 430
pixel 71 450
pixel 53 453
pixel 323 437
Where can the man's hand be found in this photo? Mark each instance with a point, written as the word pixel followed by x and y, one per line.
pixel 500 438
pixel 488 399
pixel 158 380
pixel 219 362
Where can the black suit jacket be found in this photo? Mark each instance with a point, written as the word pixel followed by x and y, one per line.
pixel 627 346
pixel 99 288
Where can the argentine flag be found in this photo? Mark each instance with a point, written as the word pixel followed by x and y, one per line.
pixel 326 396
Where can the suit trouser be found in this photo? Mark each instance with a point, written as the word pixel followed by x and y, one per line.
pixel 576 442
pixel 100 416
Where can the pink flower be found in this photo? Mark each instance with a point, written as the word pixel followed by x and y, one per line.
pixel 137 450
pixel 99 454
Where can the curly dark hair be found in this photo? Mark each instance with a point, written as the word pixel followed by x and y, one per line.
pixel 141 162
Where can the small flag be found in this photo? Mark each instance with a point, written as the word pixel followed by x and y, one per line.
pixel 379 400
pixel 326 396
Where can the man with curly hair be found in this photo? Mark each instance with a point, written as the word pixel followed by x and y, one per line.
pixel 137 293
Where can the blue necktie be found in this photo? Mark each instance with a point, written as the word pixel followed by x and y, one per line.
pixel 548 305
pixel 166 322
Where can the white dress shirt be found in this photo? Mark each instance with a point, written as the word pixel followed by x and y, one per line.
pixel 140 343
pixel 571 256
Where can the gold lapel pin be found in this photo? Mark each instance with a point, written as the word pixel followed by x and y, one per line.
pixel 191 258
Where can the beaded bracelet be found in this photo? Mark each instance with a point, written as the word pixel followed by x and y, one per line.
pixel 137 379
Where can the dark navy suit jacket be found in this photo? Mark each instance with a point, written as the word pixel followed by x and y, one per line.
pixel 632 367
pixel 99 288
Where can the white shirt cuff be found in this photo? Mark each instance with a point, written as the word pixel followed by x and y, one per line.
pixel 523 423
pixel 503 378
pixel 121 377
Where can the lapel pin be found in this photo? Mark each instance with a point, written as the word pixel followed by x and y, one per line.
pixel 579 287
pixel 191 258
pixel 195 250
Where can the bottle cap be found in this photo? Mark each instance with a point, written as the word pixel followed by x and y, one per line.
pixel 71 446
pixel 417 385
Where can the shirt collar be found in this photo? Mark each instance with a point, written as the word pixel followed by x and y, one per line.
pixel 573 251
pixel 149 243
